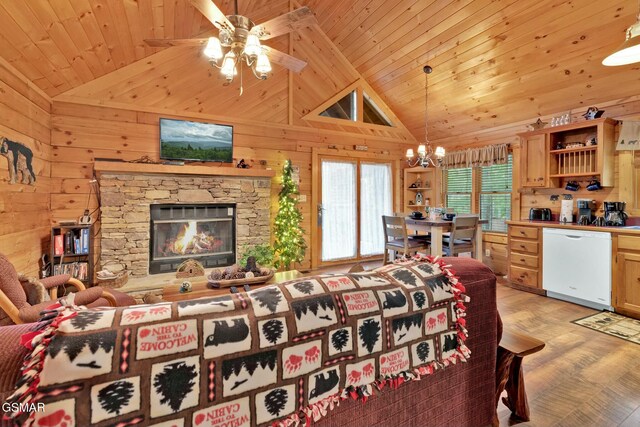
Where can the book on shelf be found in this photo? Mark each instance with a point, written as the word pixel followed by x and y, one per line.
pixel 68 242
pixel 58 244
pixel 79 270
pixel 84 240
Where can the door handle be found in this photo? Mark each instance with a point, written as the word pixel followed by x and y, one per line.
pixel 320 210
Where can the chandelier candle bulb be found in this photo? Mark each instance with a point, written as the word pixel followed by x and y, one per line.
pixel 410 153
pixel 422 149
pixel 439 152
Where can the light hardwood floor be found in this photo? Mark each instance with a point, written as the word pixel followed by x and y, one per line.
pixel 581 378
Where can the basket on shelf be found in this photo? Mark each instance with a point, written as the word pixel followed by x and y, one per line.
pixel 117 281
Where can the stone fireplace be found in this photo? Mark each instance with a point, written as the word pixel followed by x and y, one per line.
pixel 218 214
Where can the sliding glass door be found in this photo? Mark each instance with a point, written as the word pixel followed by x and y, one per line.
pixel 354 195
pixel 339 210
pixel 376 200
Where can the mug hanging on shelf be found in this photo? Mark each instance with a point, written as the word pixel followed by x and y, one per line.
pixel 572 186
pixel 594 185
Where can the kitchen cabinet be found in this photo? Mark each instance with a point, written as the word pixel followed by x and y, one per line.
pixel 534 160
pixel 577 151
pixel 525 258
pixel 626 283
pixel 525 243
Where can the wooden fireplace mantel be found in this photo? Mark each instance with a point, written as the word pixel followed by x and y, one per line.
pixel 153 169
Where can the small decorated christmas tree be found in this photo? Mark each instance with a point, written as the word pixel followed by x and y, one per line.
pixel 289 245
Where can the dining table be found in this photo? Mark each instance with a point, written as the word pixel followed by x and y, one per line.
pixel 437 228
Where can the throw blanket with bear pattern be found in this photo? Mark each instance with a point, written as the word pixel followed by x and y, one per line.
pixel 280 355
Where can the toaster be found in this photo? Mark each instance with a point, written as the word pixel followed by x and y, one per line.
pixel 540 214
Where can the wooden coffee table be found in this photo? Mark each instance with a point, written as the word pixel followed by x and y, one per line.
pixel 200 289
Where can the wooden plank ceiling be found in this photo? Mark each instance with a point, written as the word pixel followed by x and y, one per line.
pixel 495 61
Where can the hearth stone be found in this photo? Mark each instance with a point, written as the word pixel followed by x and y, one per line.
pixel 126 201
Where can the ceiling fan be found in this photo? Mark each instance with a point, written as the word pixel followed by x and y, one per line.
pixel 239 41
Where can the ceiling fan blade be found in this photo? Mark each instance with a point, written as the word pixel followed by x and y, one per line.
pixel 287 61
pixel 283 24
pixel 175 42
pixel 213 14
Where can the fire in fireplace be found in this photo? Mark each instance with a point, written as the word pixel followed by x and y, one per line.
pixel 203 232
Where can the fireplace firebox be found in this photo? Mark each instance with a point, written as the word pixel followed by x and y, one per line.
pixel 205 232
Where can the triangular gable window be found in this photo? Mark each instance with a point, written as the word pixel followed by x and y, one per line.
pixel 358 106
pixel 344 109
pixel 371 113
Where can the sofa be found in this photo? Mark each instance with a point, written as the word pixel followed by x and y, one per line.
pixel 460 395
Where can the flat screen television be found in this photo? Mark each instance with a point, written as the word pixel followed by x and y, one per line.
pixel 195 141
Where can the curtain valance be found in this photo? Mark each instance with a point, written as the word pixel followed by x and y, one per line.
pixel 474 157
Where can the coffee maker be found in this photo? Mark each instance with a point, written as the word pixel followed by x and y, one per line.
pixel 586 208
pixel 614 214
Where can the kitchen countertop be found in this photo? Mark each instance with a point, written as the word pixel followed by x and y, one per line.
pixel 556 224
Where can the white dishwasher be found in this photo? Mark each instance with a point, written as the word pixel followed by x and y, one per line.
pixel 576 266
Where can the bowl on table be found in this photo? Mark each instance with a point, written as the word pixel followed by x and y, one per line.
pixel 417 215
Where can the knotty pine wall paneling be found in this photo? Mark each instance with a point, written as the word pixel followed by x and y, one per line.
pixel 25 215
pixel 80 133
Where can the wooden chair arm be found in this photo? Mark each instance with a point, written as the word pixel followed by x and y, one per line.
pixel 110 298
pixel 520 344
pixel 76 283
pixel 10 308
pixel 53 292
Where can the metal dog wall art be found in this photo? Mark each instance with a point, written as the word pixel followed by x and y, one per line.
pixel 20 161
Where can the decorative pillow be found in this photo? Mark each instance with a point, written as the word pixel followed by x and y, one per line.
pixel 35 291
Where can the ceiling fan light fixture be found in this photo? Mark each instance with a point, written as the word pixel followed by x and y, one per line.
pixel 629 52
pixel 213 49
pixel 252 48
pixel 228 68
pixel 263 66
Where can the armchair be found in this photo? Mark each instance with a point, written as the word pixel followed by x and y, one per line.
pixel 15 308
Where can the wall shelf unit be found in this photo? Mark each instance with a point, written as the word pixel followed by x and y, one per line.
pixel 427 184
pixel 546 165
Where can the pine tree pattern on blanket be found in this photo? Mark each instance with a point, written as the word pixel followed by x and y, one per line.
pixel 281 356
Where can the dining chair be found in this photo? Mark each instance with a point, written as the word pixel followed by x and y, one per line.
pixel 397 239
pixel 462 237
pixel 416 234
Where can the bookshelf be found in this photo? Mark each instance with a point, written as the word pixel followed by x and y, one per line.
pixel 72 251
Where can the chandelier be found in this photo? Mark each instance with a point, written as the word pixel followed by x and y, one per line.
pixel 231 49
pixel 426 152
pixel 629 52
